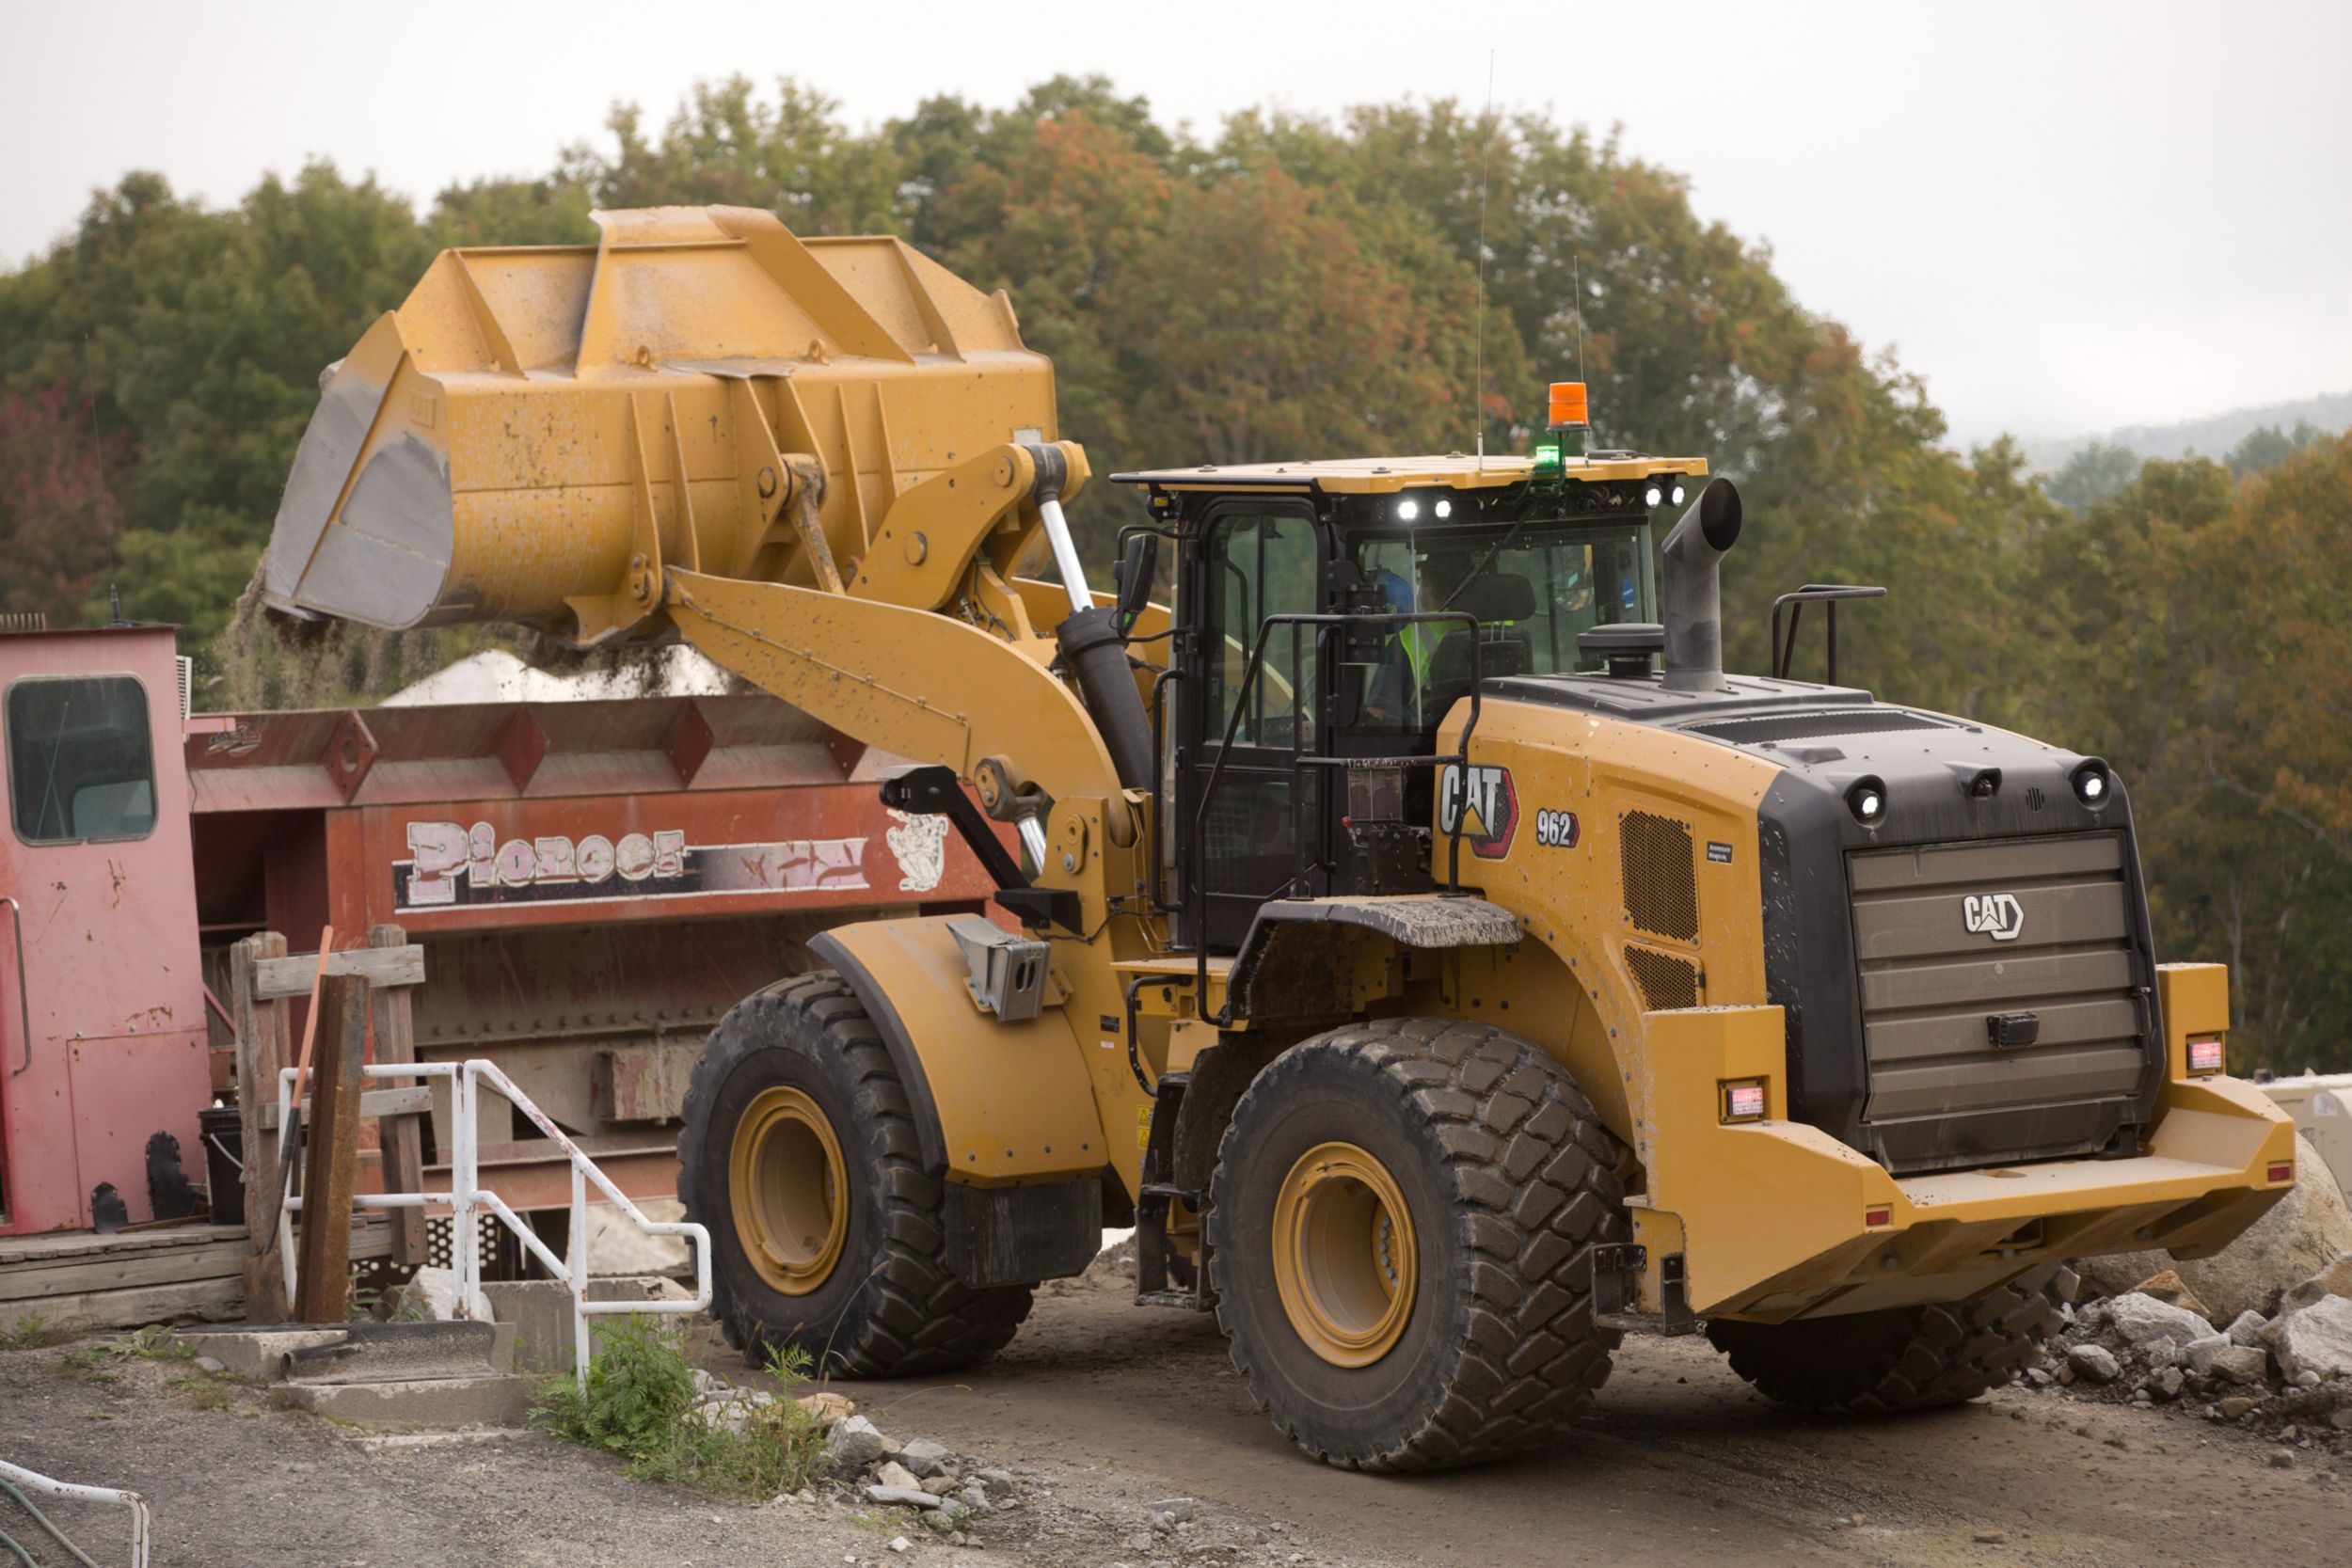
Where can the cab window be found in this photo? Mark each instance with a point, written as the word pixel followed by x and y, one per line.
pixel 81 764
pixel 1261 564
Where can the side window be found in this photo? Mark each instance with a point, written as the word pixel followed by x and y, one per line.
pixel 1261 564
pixel 80 763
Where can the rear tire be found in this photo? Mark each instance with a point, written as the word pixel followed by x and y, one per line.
pixel 1902 1358
pixel 840 1249
pixel 1482 1339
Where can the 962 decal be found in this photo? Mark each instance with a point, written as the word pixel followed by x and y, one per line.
pixel 1556 830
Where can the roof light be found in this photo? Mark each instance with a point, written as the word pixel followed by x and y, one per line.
pixel 1653 496
pixel 1443 508
pixel 2204 1055
pixel 1674 497
pixel 1408 509
pixel 1567 406
pixel 1743 1100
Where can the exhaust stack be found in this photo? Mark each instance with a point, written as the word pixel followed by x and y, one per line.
pixel 1693 591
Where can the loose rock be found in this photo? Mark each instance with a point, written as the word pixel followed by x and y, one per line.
pixel 924 1457
pixel 2318 1340
pixel 901 1496
pixel 2198 1355
pixel 857 1443
pixel 2240 1363
pixel 2142 1320
pixel 2093 1361
pixel 2167 1286
pixel 891 1473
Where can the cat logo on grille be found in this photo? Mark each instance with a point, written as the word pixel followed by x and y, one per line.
pixel 1997 916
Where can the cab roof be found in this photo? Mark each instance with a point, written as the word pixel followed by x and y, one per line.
pixel 1379 476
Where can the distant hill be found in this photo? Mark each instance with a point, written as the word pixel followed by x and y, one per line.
pixel 2212 437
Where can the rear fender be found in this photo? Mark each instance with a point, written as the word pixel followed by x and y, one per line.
pixel 994 1103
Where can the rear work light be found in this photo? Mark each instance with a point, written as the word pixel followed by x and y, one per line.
pixel 1743 1100
pixel 2204 1055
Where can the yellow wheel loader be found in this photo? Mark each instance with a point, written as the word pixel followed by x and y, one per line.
pixel 1414 932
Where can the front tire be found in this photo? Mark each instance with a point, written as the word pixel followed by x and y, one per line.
pixel 1901 1358
pixel 1397 1230
pixel 797 1150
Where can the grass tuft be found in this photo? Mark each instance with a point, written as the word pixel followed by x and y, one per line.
pixel 155 1342
pixel 639 1406
pixel 34 1332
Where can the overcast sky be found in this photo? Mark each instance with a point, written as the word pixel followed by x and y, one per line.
pixel 2066 216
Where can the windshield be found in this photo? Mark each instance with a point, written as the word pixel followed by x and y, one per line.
pixel 1543 585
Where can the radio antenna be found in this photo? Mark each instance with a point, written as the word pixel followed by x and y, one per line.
pixel 1478 350
pixel 1577 261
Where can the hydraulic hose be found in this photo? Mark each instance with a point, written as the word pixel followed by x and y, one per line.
pixel 42 1520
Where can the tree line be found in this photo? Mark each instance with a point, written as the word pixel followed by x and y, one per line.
pixel 1280 287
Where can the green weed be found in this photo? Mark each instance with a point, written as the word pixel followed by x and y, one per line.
pixel 155 1342
pixel 34 1332
pixel 639 1406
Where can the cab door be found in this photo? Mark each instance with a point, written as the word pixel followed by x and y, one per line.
pixel 102 1020
pixel 1243 838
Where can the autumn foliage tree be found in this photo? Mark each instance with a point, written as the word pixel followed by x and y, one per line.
pixel 1400 278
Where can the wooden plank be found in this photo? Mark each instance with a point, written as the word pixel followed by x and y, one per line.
pixel 403 1139
pixel 72 1275
pixel 212 1299
pixel 323 1283
pixel 278 977
pixel 410 1100
pixel 260 1054
pixel 58 1245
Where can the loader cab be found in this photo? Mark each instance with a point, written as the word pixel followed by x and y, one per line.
pixel 1332 617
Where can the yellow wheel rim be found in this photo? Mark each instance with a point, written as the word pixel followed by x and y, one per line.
pixel 1344 1255
pixel 790 1190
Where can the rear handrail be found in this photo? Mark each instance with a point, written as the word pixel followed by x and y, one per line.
pixel 1197 891
pixel 467 1200
pixel 142 1523
pixel 23 983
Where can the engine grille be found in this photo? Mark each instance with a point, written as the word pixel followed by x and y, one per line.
pixel 1666 981
pixel 1936 969
pixel 1661 895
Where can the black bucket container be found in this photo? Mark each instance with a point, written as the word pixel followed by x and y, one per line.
pixel 224 1162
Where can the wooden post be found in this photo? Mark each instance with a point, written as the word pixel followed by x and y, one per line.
pixel 260 1054
pixel 322 1283
pixel 403 1136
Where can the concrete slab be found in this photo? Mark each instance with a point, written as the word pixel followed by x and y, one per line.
pixel 257 1354
pixel 539 1314
pixel 495 1399
pixel 396 1353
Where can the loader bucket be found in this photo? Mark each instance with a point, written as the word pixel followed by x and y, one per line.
pixel 531 422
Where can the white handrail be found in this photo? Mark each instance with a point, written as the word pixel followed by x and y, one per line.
pixel 467 1200
pixel 141 1526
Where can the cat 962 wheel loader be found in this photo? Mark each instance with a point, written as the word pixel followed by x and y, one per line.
pixel 1446 964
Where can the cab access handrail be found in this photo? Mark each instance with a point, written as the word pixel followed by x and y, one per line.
pixel 1196 886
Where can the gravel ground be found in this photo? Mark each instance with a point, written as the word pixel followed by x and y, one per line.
pixel 1101 1409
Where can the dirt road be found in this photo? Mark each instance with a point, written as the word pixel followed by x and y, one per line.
pixel 1100 1408
pixel 1679 1463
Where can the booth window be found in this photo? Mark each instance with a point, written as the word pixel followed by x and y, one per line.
pixel 81 764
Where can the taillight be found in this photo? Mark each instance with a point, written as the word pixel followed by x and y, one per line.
pixel 1743 1100
pixel 2204 1055
pixel 2283 1171
pixel 1878 1215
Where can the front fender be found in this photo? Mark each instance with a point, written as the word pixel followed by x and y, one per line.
pixel 994 1103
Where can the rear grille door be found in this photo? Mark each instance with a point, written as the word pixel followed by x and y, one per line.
pixel 1950 937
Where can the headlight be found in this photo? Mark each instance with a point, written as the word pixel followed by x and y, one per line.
pixel 1866 799
pixel 2093 785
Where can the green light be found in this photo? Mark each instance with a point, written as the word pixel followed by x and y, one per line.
pixel 1548 459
